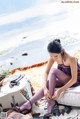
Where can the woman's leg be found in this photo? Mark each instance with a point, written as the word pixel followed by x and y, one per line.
pixel 51 84
pixel 56 78
pixel 34 99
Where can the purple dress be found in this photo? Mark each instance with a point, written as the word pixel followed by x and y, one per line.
pixel 67 70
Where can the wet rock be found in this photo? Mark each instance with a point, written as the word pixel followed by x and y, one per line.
pixel 11 63
pixel 24 54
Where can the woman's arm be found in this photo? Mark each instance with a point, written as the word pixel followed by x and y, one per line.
pixel 48 67
pixel 46 91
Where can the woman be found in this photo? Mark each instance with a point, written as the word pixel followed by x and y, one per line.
pixel 64 76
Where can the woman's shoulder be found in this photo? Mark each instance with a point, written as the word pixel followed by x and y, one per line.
pixel 70 58
pixel 50 61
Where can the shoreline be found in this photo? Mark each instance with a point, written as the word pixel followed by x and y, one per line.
pixel 33 52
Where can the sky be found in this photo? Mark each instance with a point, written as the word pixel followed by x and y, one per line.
pixel 36 19
pixel 11 6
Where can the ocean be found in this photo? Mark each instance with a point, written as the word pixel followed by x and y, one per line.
pixel 34 52
pixel 29 30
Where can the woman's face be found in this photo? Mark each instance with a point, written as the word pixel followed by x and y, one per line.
pixel 55 56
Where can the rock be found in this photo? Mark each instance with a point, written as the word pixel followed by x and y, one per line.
pixel 11 63
pixel 24 37
pixel 24 54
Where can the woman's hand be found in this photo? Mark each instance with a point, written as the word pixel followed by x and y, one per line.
pixel 47 94
pixel 56 94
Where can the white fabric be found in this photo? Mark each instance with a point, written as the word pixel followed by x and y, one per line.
pixel 12 99
pixel 36 109
pixel 12 95
pixel 6 89
pixel 70 97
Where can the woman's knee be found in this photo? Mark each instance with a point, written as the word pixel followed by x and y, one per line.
pixel 54 71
